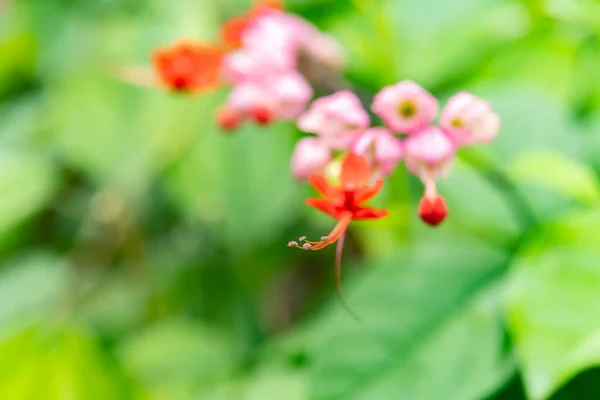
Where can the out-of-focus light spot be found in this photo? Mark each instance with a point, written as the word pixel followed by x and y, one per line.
pixel 107 207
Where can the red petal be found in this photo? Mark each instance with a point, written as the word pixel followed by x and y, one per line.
pixel 355 171
pixel 325 206
pixel 322 186
pixel 369 213
pixel 262 7
pixel 367 192
pixel 189 66
pixel 232 30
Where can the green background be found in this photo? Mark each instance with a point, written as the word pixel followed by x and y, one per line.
pixel 143 251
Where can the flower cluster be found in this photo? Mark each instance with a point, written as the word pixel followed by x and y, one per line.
pixel 265 71
pixel 263 55
pixel 272 59
pixel 407 111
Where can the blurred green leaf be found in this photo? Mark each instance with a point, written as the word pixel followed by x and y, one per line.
pixel 58 363
pixel 241 185
pixel 27 183
pixel 177 357
pixel 554 302
pixel 566 177
pixel 430 329
pixel 31 286
pixel 104 308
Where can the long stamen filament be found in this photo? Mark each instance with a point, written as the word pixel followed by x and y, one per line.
pixel 335 235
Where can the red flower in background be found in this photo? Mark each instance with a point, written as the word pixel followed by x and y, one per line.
pixel 232 30
pixel 189 67
pixel 345 204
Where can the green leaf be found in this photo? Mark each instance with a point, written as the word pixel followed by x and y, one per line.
pixel 242 185
pixel 30 287
pixel 174 358
pixel 564 176
pixel 554 302
pixel 430 328
pixel 27 183
pixel 58 363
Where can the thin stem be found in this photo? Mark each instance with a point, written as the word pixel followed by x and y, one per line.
pixel 338 277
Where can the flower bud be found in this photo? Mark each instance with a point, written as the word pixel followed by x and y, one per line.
pixel 228 118
pixel 433 210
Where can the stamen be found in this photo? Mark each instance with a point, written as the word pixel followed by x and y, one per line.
pixel 325 241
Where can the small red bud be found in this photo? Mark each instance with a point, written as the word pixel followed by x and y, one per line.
pixel 228 118
pixel 262 115
pixel 433 210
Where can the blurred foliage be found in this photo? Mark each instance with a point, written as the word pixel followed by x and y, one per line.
pixel 143 252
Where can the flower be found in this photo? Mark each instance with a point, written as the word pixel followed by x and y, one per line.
pixel 310 156
pixel 344 202
pixel 467 119
pixel 233 30
pixel 405 107
pixel 256 64
pixel 338 119
pixel 282 97
pixel 429 154
pixel 189 67
pixel 382 148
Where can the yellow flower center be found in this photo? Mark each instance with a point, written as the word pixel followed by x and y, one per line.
pixel 407 109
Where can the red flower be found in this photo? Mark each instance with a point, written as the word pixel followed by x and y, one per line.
pixel 189 67
pixel 344 203
pixel 233 29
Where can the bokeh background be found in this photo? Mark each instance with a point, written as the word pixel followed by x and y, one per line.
pixel 143 252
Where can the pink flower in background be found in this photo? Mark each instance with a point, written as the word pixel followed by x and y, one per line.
pixel 467 119
pixel 405 107
pixel 266 82
pixel 338 119
pixel 310 157
pixel 292 93
pixel 283 97
pixel 244 64
pixel 382 148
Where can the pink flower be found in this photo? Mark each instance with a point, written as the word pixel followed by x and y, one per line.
pixel 283 97
pixel 468 119
pixel 428 154
pixel 405 107
pixel 310 156
pixel 337 119
pixel 382 148
pixel 256 64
